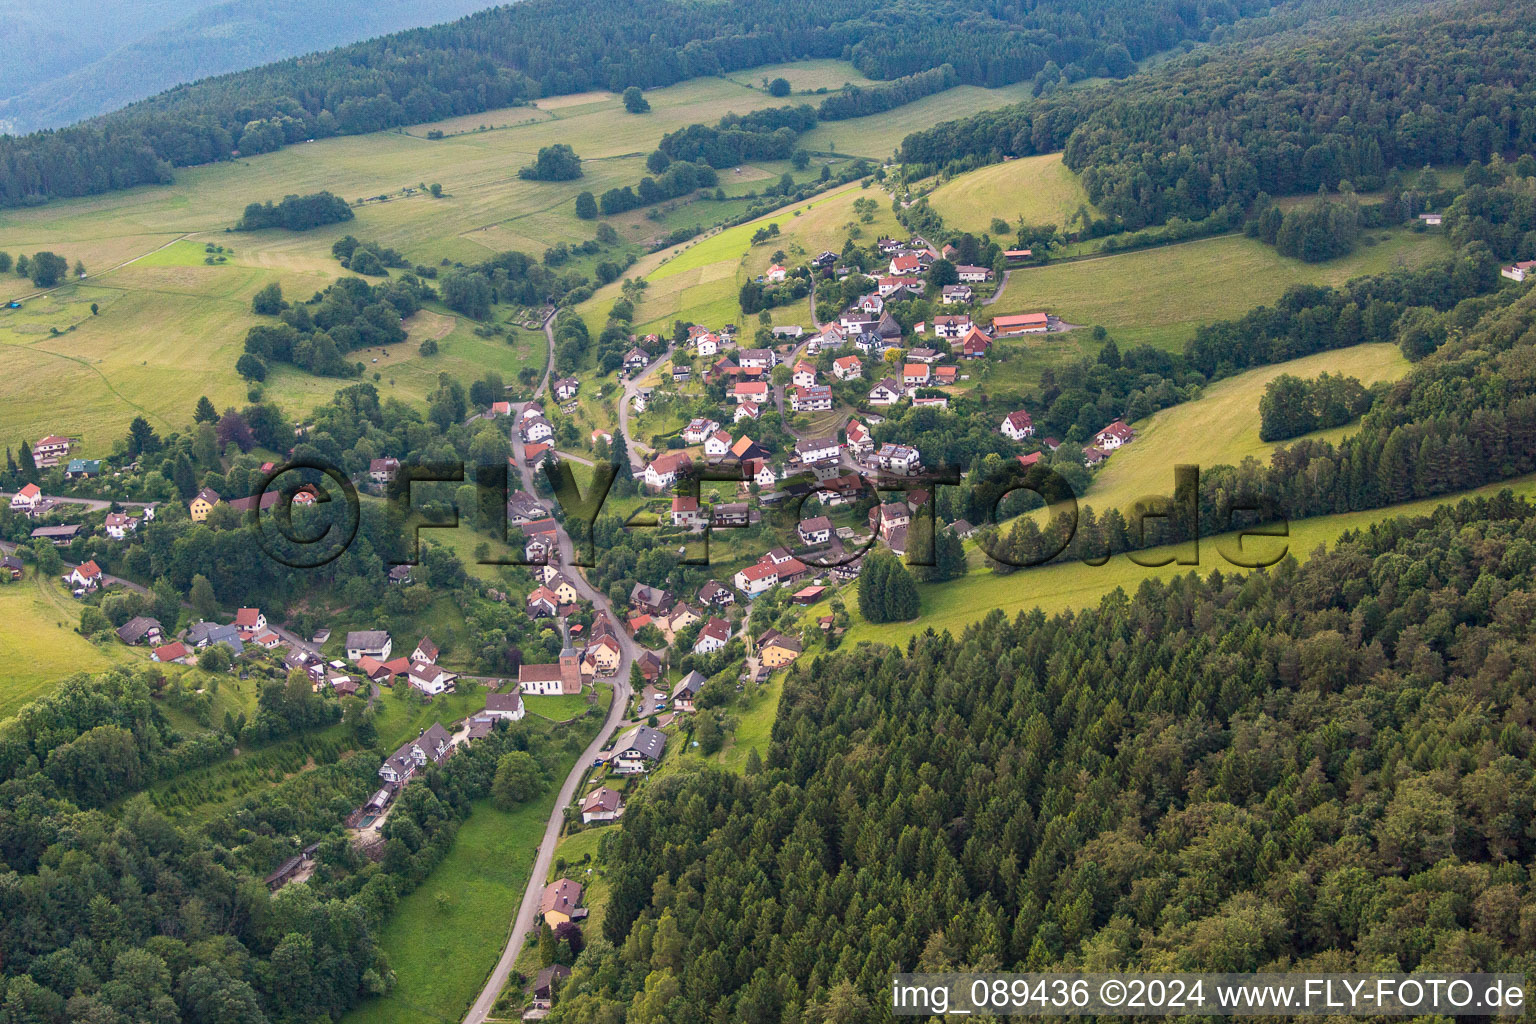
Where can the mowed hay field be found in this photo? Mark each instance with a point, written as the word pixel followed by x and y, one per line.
pixel 879 135
pixel 39 644
pixel 1057 588
pixel 803 76
pixel 1159 296
pixel 1222 426
pixel 1036 189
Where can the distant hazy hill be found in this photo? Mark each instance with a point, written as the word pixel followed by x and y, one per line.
pixel 74 59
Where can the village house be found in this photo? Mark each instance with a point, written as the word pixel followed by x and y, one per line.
pixel 82 469
pixel 601 657
pixel 816 530
pixel 717 445
pixel 562 677
pixel 1518 272
pixel 175 651
pixel 637 750
pixel 973 275
pixel 499 409
pixel 1017 255
pixel 811 399
pixel 943 376
pixel 698 429
pixel 930 402
pixel 686 692
pixel 713 637
pixel 87 575
pixel 635 359
pixel 859 439
pixel 651 600
pixel 887 392
pixel 804 375
pixel 707 344
pixel 747 450
pixel 370 643
pixel 250 620
pixel 898 458
pixel 665 470
pixel 914 375
pixel 523 508
pixel 817 449
pixel 924 355
pixel 382 471
pixel 140 629
pixel 536 429
pixel 952 327
pixel 542 603
pixel 11 565
pixel 1093 455
pixel 119 526
pixel 1114 436
pixel 206 634
pixel 203 503
pixel 1023 323
pixel 847 367
pixel 976 344
pixel 601 805
pixel 58 536
pixel 560 902
pixel 715 594
pixel 747 411
pixel 504 706
pixel 564 589
pixel 758 359
pixel 685 512
pixel 429 678
pixel 888 517
pixel 432 745
pixel 831 337
pixel 749 391
pixel 27 499
pixel 566 388
pixel 757 579
pixel 905 264
pixel 776 650
pixel 50 451
pixel 1018 425
pixel 732 513
pixel 955 294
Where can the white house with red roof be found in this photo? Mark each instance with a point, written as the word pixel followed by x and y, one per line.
pixel 1018 425
pixel 748 411
pixel 905 263
pixel 698 429
pixel 804 375
pixel 776 273
pixel 713 637
pixel 685 511
pixel 250 620
pixel 717 445
pixel 119 526
pixel 87 575
pixel 757 579
pixel 750 391
pixel 1114 436
pixel 664 471
pixel 859 439
pixel 847 367
pixel 26 499
pixel 50 451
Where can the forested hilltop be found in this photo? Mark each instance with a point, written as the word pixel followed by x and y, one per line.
pixel 521 51
pixel 1321 767
pixel 1448 86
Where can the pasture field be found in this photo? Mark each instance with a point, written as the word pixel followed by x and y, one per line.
pixel 1038 189
pixel 1057 588
pixel 39 645
pixel 444 938
pixel 803 76
pixel 1159 296
pixel 1222 426
pixel 879 135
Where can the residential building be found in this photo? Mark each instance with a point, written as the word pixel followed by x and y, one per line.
pixel 1018 425
pixel 119 526
pixel 432 745
pixel 638 750
pixel 698 429
pixel 687 691
pixel 847 367
pixel 505 706
pixel 523 508
pixel 887 392
pixel 976 344
pixel 811 399
pixel 818 449
pixel 203 503
pixel 804 375
pixel 82 469
pixel 915 375
pixel 666 469
pixel 87 575
pixel 952 327
pixel 956 294
pixel 27 499
pixel 906 264
pixel 732 513
pixel 382 471
pixel 685 512
pixel 715 594
pixel 542 603
pixel 566 388
pixel 776 650
pixel 560 901
pixel 717 445
pixel 175 651
pixel 601 657
pixel 1114 436
pixel 50 451
pixel 651 600
pixel 58 536
pixel 759 359
pixel 369 643
pixel 973 275
pixel 713 637
pixel 1518 272
pixel 859 439
pixel 816 530
pixel 747 411
pixel 250 620
pixel 757 579
pixel 888 517
pixel 602 805
pixel 750 391
pixel 899 458
pixel 140 629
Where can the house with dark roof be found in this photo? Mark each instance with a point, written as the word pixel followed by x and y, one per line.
pixel 432 745
pixel 638 750
pixel 602 805
pixel 140 630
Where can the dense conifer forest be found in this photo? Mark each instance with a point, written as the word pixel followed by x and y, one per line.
pixel 1323 767
pixel 1285 117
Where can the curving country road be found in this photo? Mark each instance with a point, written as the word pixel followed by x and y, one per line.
pixel 522 924
pixel 626 399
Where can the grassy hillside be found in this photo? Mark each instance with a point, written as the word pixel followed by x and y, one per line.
pixel 1159 296
pixel 1222 426
pixel 37 617
pixel 1066 586
pixel 1038 189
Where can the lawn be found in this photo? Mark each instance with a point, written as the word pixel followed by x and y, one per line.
pixel 38 617
pixel 559 708
pixel 1062 587
pixel 1159 296
pixel 1036 189
pixel 444 938
pixel 1222 426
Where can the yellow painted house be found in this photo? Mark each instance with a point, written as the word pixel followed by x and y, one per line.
pixel 602 656
pixel 560 902
pixel 777 650
pixel 564 589
pixel 683 617
pixel 203 504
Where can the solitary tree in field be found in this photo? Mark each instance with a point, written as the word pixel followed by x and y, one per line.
pixel 205 413
pixel 778 87
pixel 48 269
pixel 635 102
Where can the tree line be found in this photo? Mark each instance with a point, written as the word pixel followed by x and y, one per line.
pixel 1234 773
pixel 516 53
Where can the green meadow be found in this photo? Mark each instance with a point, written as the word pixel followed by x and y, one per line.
pixel 1035 189
pixel 39 642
